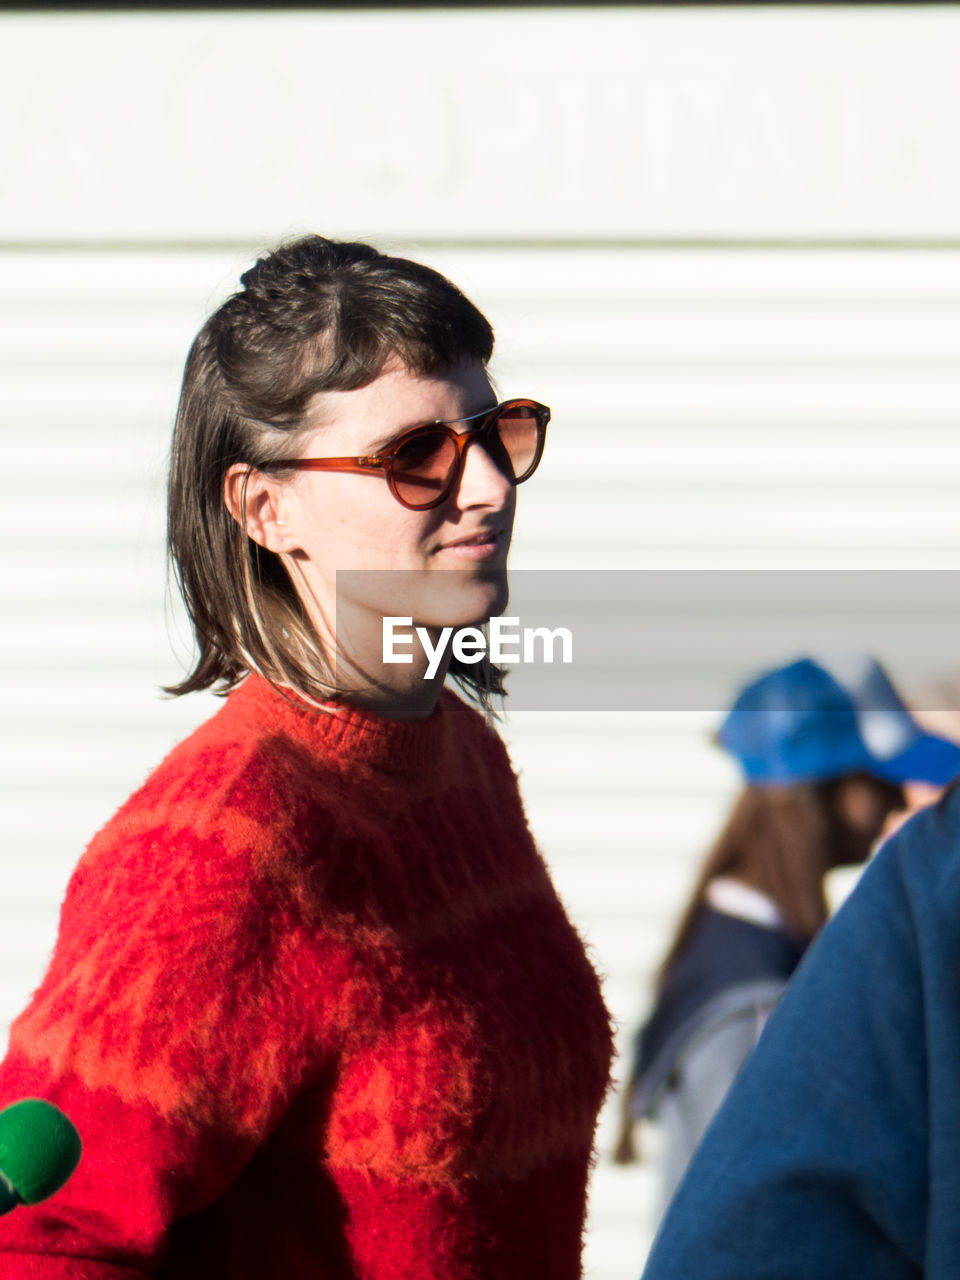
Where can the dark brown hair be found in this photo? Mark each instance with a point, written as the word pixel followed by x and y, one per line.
pixel 313 315
pixel 782 841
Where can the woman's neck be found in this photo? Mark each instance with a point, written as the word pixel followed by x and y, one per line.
pixel 401 682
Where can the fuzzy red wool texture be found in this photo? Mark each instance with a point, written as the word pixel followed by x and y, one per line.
pixel 316 1011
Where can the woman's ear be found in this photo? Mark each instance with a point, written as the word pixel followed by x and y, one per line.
pixel 257 504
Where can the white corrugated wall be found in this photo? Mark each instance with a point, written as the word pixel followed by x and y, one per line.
pixel 748 332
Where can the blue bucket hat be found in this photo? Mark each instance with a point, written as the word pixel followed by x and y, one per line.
pixel 807 723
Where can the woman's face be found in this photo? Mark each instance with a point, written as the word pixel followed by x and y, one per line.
pixel 330 521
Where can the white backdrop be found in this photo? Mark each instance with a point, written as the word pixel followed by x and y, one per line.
pixel 720 243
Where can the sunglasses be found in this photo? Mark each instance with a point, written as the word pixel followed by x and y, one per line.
pixel 424 464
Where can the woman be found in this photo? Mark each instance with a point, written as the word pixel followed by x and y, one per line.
pixel 820 789
pixel 314 1005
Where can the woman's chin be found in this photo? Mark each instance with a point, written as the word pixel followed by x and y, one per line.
pixel 463 599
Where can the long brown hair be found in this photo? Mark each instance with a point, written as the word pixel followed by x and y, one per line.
pixel 314 315
pixel 782 841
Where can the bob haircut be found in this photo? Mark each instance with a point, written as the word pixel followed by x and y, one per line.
pixel 313 315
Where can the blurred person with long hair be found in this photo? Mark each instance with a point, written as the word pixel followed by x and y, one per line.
pixel 825 766
pixel 837 1151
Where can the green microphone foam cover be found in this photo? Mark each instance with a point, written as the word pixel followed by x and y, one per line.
pixel 39 1148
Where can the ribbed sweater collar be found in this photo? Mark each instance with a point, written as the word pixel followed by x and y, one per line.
pixel 337 728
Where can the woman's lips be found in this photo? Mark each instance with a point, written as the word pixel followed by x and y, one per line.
pixel 481 546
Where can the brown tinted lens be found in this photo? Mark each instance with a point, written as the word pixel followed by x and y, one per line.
pixel 516 440
pixel 423 466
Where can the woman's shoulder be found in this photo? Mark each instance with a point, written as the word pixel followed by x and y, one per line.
pixel 233 791
pixel 230 760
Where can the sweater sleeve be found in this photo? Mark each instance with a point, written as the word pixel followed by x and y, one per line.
pixel 816 1164
pixel 168 1029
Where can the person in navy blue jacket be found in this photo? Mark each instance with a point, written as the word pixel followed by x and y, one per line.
pixel 824 753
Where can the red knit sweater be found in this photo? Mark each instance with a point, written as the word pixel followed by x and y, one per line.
pixel 317 1012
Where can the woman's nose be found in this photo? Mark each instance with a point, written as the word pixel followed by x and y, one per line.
pixel 482 481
